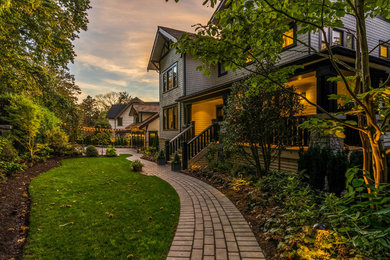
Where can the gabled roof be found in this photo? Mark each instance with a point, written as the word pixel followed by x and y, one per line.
pixel 164 35
pixel 141 125
pixel 147 107
pixel 118 109
pixel 115 111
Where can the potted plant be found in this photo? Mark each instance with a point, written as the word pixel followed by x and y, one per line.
pixel 137 166
pixel 176 163
pixel 161 158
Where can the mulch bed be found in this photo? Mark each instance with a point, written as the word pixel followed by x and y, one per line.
pixel 15 209
pixel 255 217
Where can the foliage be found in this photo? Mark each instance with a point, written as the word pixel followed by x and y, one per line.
pixel 151 150
pixel 238 183
pixel 356 224
pixel 26 117
pixel 111 151
pixel 361 219
pixel 105 204
pixel 105 101
pixel 44 150
pixel 256 125
pixel 137 166
pixel 91 151
pixel 176 159
pixel 255 31
pixel 9 160
pixel 161 154
pixel 57 140
pixel 8 153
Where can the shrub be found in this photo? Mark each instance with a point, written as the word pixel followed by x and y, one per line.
pixel 315 164
pixel 91 151
pixel 7 151
pixel 161 155
pixel 57 140
pixel 176 159
pixel 111 151
pixel 137 166
pixel 151 150
pixel 44 150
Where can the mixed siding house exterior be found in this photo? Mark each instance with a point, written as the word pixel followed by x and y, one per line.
pixel 138 119
pixel 190 102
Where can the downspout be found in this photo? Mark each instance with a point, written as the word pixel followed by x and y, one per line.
pixel 184 86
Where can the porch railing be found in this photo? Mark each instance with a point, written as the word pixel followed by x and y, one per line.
pixel 175 144
pixel 199 142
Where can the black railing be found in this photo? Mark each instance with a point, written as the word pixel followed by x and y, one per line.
pixel 175 145
pixel 199 142
pixel 300 136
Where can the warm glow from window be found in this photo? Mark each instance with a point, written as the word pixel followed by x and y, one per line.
pixel 384 51
pixel 288 38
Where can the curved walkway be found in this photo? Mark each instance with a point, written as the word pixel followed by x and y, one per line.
pixel 210 226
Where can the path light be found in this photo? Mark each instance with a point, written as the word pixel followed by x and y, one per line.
pixel 319 226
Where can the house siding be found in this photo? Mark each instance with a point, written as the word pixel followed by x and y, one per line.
pixel 169 98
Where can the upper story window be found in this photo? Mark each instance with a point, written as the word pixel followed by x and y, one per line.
pixel 337 37
pixel 170 78
pixel 289 37
pixel 120 121
pixel 384 51
pixel 221 70
pixel 170 118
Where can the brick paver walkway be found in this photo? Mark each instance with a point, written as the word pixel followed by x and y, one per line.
pixel 210 226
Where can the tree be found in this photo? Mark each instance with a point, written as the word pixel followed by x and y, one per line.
pixel 256 29
pixel 105 101
pixel 262 121
pixel 26 117
pixel 90 114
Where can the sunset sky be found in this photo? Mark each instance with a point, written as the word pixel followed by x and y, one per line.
pixel 113 54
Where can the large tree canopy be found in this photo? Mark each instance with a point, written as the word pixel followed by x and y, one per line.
pixel 254 30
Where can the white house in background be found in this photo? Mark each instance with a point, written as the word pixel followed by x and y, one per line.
pixel 139 119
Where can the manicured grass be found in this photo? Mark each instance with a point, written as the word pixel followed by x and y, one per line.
pixel 94 208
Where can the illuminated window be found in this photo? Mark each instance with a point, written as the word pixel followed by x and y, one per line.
pixel 170 78
pixel 384 51
pixel 288 37
pixel 170 118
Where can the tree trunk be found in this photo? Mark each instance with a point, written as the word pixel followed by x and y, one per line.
pixel 255 155
pixel 378 156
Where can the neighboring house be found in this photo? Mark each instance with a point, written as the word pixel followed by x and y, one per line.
pixel 190 102
pixel 139 119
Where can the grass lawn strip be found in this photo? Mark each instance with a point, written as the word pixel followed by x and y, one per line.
pixel 98 208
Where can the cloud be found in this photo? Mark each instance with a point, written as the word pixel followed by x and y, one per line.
pixel 113 54
pixel 116 82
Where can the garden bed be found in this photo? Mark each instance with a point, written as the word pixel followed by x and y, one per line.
pixel 15 209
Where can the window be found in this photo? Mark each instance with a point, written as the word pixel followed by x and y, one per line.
pixel 170 118
pixel 170 78
pixel 384 51
pixel 219 113
pixel 120 121
pixel 349 41
pixel 221 70
pixel 324 38
pixel 289 37
pixel 337 37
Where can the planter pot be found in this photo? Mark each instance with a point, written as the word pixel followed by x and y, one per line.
pixel 176 167
pixel 161 161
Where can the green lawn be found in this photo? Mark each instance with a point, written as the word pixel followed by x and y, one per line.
pixel 94 208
